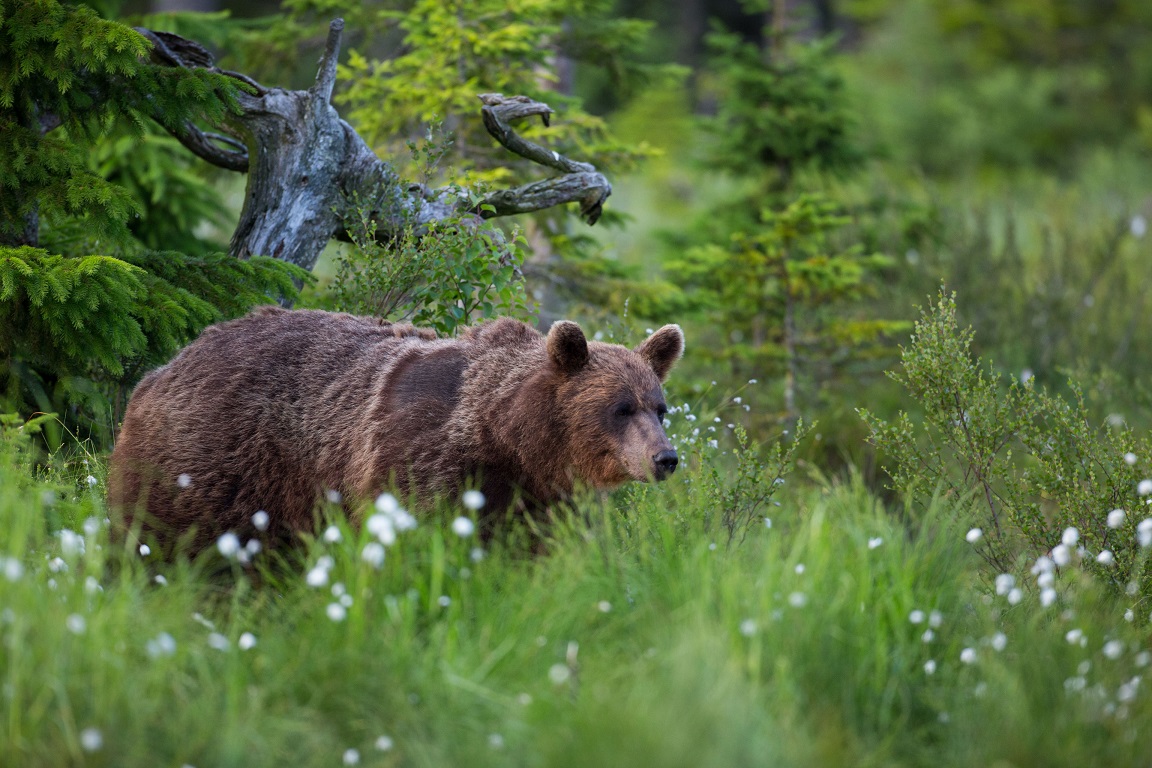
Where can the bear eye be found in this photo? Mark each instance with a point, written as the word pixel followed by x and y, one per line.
pixel 624 410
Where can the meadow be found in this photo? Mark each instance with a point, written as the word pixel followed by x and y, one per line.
pixel 809 626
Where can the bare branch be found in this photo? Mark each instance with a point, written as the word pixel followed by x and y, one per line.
pixel 326 76
pixel 205 146
pixel 498 110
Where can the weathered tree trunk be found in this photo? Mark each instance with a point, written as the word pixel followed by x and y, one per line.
pixel 311 176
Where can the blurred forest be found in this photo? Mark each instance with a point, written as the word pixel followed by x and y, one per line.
pixel 791 180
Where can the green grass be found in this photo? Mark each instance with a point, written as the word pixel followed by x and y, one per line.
pixel 639 639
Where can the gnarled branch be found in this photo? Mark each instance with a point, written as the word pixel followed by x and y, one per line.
pixel 305 164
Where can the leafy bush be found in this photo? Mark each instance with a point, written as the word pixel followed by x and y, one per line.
pixel 1029 469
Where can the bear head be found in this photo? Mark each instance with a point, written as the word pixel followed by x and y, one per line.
pixel 610 401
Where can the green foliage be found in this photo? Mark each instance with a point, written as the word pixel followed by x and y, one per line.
pixel 81 330
pixel 452 274
pixel 776 296
pixel 63 65
pixel 1023 464
pixel 781 113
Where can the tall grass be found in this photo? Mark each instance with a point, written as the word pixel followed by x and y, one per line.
pixel 842 634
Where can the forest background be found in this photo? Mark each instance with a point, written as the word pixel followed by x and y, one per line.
pixel 803 186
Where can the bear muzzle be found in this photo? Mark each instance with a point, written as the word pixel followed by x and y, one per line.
pixel 665 463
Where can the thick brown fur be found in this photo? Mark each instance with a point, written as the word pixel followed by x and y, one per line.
pixel 270 411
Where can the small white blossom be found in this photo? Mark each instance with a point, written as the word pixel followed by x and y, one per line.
pixel 473 500
pixel 604 606
pixel 336 612
pixel 1129 616
pixel 260 520
pixel 1144 532
pixel 463 526
pixel 161 645
pixel 1043 564
pixel 477 554
pixel 332 534
pixel 71 543
pixel 1074 636
pixel 1070 537
pixel 382 528
pixel 444 601
pixel 91 526
pixel 76 624
pixel 373 554
pixel 92 481
pixel 218 641
pixel 999 641
pixel 1046 580
pixel 1105 557
pixel 253 546
pixel 1129 458
pixel 160 579
pixel 384 743
pixel 91 739
pixel 334 496
pixel 767 522
pixel 145 550
pixel 1144 487
pixel 748 627
pixel 797 599
pixel 351 757
pixel 1061 555
pixel 495 741
pixel 559 673
pixel 1138 226
pixel 317 577
pixel 228 544
pixel 1116 518
pixel 875 542
pixel 968 656
pixel 1004 583
pixel 1143 658
pixel 935 619
pixel 1015 595
pixel 12 567
pixel 1047 596
pixel 916 617
pixel 930 667
pixel 799 568
pixel 246 642
pixel 386 504
pixel 974 535
pixel 183 480
pixel 928 636
pixel 1113 649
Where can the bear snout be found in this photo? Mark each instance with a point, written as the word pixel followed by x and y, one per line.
pixel 665 462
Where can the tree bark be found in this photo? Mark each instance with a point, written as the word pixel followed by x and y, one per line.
pixel 311 177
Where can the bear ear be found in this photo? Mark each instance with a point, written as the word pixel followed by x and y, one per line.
pixel 662 349
pixel 567 346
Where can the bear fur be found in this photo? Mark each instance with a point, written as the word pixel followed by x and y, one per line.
pixel 271 411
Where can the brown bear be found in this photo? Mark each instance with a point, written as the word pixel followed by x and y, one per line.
pixel 274 410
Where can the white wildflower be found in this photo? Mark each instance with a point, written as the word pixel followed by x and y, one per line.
pixel 797 599
pixel 1116 518
pixel 260 520
pixel 1047 596
pixel 1061 555
pixel 91 739
pixel 473 500
pixel 1046 580
pixel 1113 649
pixel 974 535
pixel 916 617
pixel 935 619
pixel 336 612
pixel 317 577
pixel 13 568
pixel 559 674
pixel 161 645
pixel 76 624
pixel 332 534
pixel 1074 636
pixel 1105 557
pixel 444 601
pixel 1129 458
pixel 246 642
pixel 999 641
pixel 373 554
pixel 968 656
pixel 1144 532
pixel 495 741
pixel 351 757
pixel 183 480
pixel 334 496
pixel 930 667
pixel 748 627
pixel 386 504
pixel 604 606
pixel 71 543
pixel 928 636
pixel 384 743
pixel 228 544
pixel 875 542
pixel 1015 595
pixel 1144 487
pixel 92 481
pixel 382 528
pixel 218 641
pixel 463 526
pixel 145 550
pixel 91 526
pixel 1004 583
pixel 1070 537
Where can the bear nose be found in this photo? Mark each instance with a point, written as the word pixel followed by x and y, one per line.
pixel 666 462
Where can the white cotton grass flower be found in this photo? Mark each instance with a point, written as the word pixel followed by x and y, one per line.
pixel 316 577
pixel 1047 596
pixel 999 642
pixel 935 619
pixel 463 527
pixel 1116 518
pixel 559 674
pixel 1144 532
pixel 336 612
pixel 1129 458
pixel 92 481
pixel 1004 583
pixel 604 606
pixel 1113 649
pixel 1074 636
pixel 1061 555
pixel 373 554
pixel 799 568
pixel 76 624
pixel 333 496
pixel 386 504
pixel 91 739
pixel 928 636
pixel 875 542
pixel 144 550
pixel 797 599
pixel 1105 557
pixel 260 520
pixel 1144 487
pixel 968 656
pixel 12 567
pixel 246 642
pixel 161 645
pixel 974 535
pixel 1070 537
pixel 228 544
pixel 495 741
pixel 382 527
pixel 183 480
pixel 1015 595
pixel 473 500
pixel 476 554
pixel 748 627
pixel 332 534
pixel 160 579
pixel 1043 564
pixel 930 667
pixel 71 543
pixel 384 743
pixel 916 616
pixel 1046 580
pixel 1143 659
pixel 218 641
pixel 92 526
pixel 351 757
